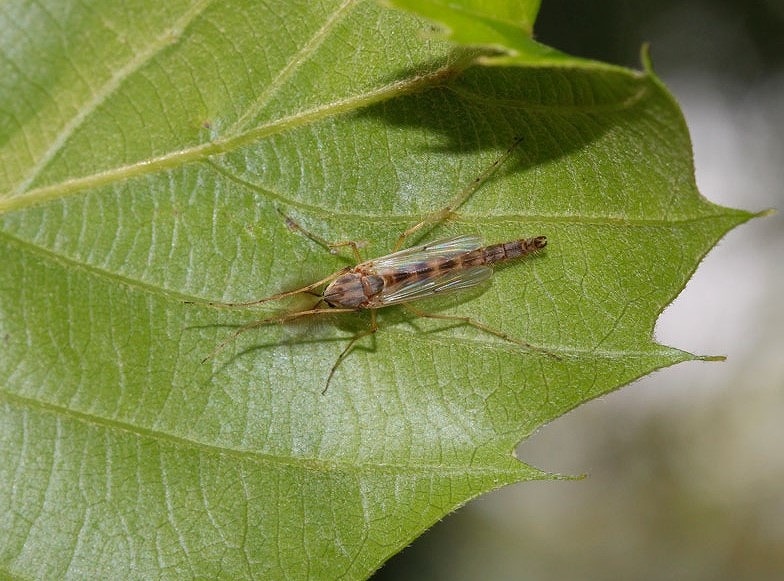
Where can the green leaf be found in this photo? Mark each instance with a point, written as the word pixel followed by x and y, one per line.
pixel 145 148
pixel 503 27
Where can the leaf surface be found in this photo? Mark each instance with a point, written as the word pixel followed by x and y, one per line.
pixel 145 148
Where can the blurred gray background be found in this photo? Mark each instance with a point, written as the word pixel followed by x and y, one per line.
pixel 686 466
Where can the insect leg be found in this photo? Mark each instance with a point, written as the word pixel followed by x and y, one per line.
pixel 331 246
pixel 482 327
pixel 372 329
pixel 304 289
pixel 444 213
pixel 270 321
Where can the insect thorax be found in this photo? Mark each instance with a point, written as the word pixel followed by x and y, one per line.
pixel 353 290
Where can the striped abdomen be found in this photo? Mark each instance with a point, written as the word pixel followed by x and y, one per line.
pixel 487 255
pixel 443 266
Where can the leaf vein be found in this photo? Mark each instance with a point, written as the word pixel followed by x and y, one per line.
pixel 168 37
pixel 290 67
pixel 220 146
pixel 62 413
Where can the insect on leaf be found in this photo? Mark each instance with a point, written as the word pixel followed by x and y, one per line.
pixel 145 147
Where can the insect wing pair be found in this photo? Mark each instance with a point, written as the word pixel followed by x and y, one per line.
pixel 404 267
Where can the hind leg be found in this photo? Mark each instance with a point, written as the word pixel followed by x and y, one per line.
pixel 440 215
pixel 482 327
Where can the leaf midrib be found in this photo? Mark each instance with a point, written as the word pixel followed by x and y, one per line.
pixel 203 151
pixel 168 37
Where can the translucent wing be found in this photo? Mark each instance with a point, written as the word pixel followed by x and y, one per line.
pixel 419 258
pixel 442 282
pixel 409 259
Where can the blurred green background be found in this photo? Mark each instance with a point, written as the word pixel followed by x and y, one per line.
pixel 685 467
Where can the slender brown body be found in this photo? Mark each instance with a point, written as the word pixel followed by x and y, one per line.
pixel 372 284
pixel 438 267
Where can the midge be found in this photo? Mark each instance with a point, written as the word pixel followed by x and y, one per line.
pixel 439 267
